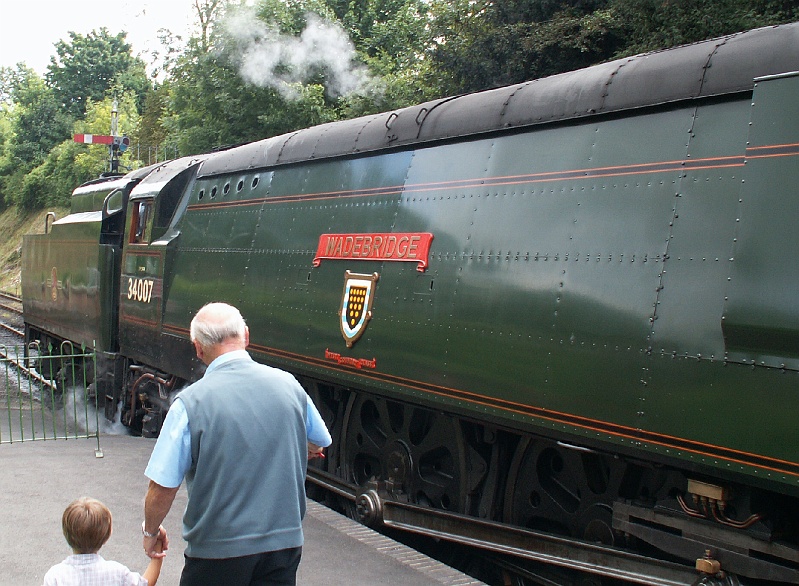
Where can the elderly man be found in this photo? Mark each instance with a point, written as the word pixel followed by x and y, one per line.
pixel 241 436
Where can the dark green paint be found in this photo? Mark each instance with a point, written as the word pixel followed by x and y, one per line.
pixel 622 281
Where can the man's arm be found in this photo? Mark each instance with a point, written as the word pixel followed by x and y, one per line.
pixel 157 503
pixel 316 430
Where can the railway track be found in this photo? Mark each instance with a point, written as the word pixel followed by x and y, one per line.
pixel 12 340
pixel 12 321
pixel 11 302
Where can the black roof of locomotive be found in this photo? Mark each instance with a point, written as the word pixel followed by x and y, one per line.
pixel 704 69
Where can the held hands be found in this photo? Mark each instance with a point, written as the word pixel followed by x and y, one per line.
pixel 156 546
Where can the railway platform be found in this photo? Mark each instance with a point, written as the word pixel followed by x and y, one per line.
pixel 38 479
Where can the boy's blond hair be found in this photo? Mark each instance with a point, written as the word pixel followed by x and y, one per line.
pixel 86 524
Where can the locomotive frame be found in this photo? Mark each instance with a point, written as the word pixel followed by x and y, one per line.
pixel 545 319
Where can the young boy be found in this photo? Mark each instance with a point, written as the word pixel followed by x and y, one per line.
pixel 87 526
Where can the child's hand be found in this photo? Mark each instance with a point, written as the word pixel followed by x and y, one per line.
pixel 156 546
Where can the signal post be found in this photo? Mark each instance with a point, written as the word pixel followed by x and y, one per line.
pixel 116 144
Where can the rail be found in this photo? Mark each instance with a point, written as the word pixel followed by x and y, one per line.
pixel 377 507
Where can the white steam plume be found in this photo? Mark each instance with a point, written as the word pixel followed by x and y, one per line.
pixel 270 59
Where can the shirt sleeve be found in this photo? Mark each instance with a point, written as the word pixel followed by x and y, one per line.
pixel 171 457
pixel 315 426
pixel 50 578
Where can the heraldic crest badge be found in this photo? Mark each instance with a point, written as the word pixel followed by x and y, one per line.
pixel 356 305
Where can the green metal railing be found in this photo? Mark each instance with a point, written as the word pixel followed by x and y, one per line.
pixel 46 395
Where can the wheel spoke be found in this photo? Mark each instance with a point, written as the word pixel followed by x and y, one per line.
pixel 419 450
pixel 562 490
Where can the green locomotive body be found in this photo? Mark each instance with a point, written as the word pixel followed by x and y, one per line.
pixel 564 305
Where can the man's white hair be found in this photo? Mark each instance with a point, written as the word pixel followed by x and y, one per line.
pixel 215 323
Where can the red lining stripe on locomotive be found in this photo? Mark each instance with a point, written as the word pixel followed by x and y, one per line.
pixel 668 441
pixel 148 323
pixel 588 173
pixel 769 151
pixel 579 421
pixel 634 434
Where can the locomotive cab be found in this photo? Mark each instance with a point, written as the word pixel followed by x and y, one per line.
pixel 148 249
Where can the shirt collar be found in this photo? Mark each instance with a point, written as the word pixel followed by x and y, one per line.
pixel 225 358
pixel 83 559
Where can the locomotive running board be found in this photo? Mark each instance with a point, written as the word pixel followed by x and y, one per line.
pixel 375 507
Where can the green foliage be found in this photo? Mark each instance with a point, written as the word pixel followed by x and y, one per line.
pixel 150 132
pixel 50 178
pixel 290 17
pixel 51 183
pixel 224 87
pixel 648 25
pixel 398 89
pixel 308 109
pixel 393 38
pixel 40 165
pixel 94 159
pixel 38 123
pixel 6 160
pixel 215 99
pixel 88 66
pixel 487 44
pixel 481 43
pixel 397 30
pixel 211 104
pixel 10 80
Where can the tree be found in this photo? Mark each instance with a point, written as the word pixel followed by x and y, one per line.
pixel 91 160
pixel 10 79
pixel 207 13
pixel 393 38
pixel 151 138
pixel 6 160
pixel 484 44
pixel 481 44
pixel 648 25
pixel 38 122
pixel 86 67
pixel 51 182
pixel 213 103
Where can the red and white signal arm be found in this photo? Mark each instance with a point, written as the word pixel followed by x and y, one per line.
pixel 93 138
pixel 121 142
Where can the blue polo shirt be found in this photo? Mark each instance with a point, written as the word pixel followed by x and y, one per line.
pixel 171 457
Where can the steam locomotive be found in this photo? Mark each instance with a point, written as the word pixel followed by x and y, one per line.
pixel 556 320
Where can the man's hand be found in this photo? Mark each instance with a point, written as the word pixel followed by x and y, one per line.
pixel 314 451
pixel 156 546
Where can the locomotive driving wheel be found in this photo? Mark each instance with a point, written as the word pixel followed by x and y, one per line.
pixel 419 451
pixel 563 489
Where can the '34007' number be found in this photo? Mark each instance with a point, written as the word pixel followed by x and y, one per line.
pixel 140 289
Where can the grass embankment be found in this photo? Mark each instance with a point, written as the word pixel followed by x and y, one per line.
pixel 13 225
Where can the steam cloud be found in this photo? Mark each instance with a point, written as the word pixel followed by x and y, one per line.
pixel 270 59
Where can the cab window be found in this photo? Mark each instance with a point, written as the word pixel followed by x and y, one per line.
pixel 141 222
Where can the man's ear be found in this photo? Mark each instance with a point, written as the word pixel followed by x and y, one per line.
pixel 198 349
pixel 246 336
